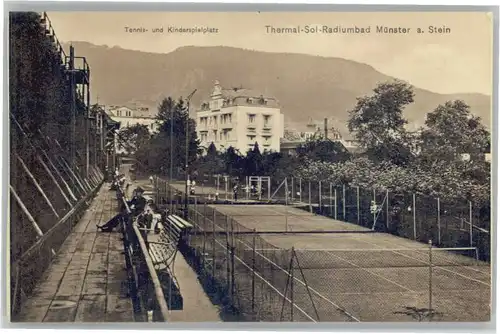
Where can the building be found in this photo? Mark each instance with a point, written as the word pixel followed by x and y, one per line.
pixel 240 117
pixel 316 131
pixel 129 116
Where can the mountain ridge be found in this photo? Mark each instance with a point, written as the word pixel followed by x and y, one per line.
pixel 306 85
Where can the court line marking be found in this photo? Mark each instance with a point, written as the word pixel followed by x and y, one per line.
pixel 438 267
pixel 368 271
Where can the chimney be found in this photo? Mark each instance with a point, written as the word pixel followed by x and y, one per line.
pixel 326 128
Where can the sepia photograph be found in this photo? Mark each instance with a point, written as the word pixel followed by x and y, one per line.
pixel 250 166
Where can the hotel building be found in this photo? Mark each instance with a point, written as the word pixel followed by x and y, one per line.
pixel 240 117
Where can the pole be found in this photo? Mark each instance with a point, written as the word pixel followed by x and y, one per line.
pixel 387 209
pixel 187 153
pixel 310 206
pixel 228 258
pixel 73 111
pixel 293 190
pixel 439 220
pixel 286 205
pixel 213 245
pixel 320 201
pixel 470 223
pixel 430 278
pixel 335 198
pixel 171 171
pixel 375 207
pixel 414 219
pixel 331 208
pixel 232 260
pixel 253 271
pixel 357 202
pixel 343 201
pixel 300 190
pixel 291 282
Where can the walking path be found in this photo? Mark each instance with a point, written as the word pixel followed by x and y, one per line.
pixel 87 280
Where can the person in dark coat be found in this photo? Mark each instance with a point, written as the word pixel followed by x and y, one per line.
pixel 136 205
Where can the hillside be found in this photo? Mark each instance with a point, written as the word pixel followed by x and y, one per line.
pixel 306 86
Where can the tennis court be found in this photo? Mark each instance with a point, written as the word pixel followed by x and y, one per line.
pixel 356 275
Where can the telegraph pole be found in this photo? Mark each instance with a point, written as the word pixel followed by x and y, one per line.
pixel 186 196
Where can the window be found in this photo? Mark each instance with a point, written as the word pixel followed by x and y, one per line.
pixel 251 118
pixel 267 120
pixel 215 135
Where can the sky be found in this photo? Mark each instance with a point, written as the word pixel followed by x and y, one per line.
pixel 455 62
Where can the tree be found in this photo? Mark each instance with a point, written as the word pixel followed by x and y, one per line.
pixel 134 138
pixel 323 150
pixel 212 163
pixel 233 162
pixel 253 162
pixel 378 124
pixel 172 119
pixel 452 131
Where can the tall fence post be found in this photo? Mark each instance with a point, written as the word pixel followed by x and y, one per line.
pixel 335 198
pixel 233 286
pixel 430 278
pixel 320 204
pixel 253 271
pixel 343 202
pixel 228 255
pixel 213 244
pixel 414 219
pixel 375 208
pixel 470 224
pixel 293 190
pixel 387 209
pixel 357 203
pixel 439 220
pixel 300 190
pixel 291 283
pixel 310 205
pixel 331 207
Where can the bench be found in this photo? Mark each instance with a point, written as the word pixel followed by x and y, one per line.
pixel 163 253
pixel 172 233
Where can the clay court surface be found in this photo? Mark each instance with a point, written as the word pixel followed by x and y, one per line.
pixel 367 276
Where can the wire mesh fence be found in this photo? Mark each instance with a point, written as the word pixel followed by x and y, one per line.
pixel 263 282
pixel 457 223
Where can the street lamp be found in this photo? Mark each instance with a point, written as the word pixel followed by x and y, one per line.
pixel 187 156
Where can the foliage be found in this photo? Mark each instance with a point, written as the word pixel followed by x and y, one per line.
pixel 323 150
pixel 134 138
pixel 172 120
pixel 451 131
pixel 254 162
pixel 378 124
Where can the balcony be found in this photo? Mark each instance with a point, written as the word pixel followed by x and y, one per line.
pixel 267 126
pixel 251 126
pixel 226 125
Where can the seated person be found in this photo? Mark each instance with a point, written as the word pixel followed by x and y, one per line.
pixel 136 205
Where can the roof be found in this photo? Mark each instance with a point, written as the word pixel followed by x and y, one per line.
pixel 137 112
pixel 244 92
